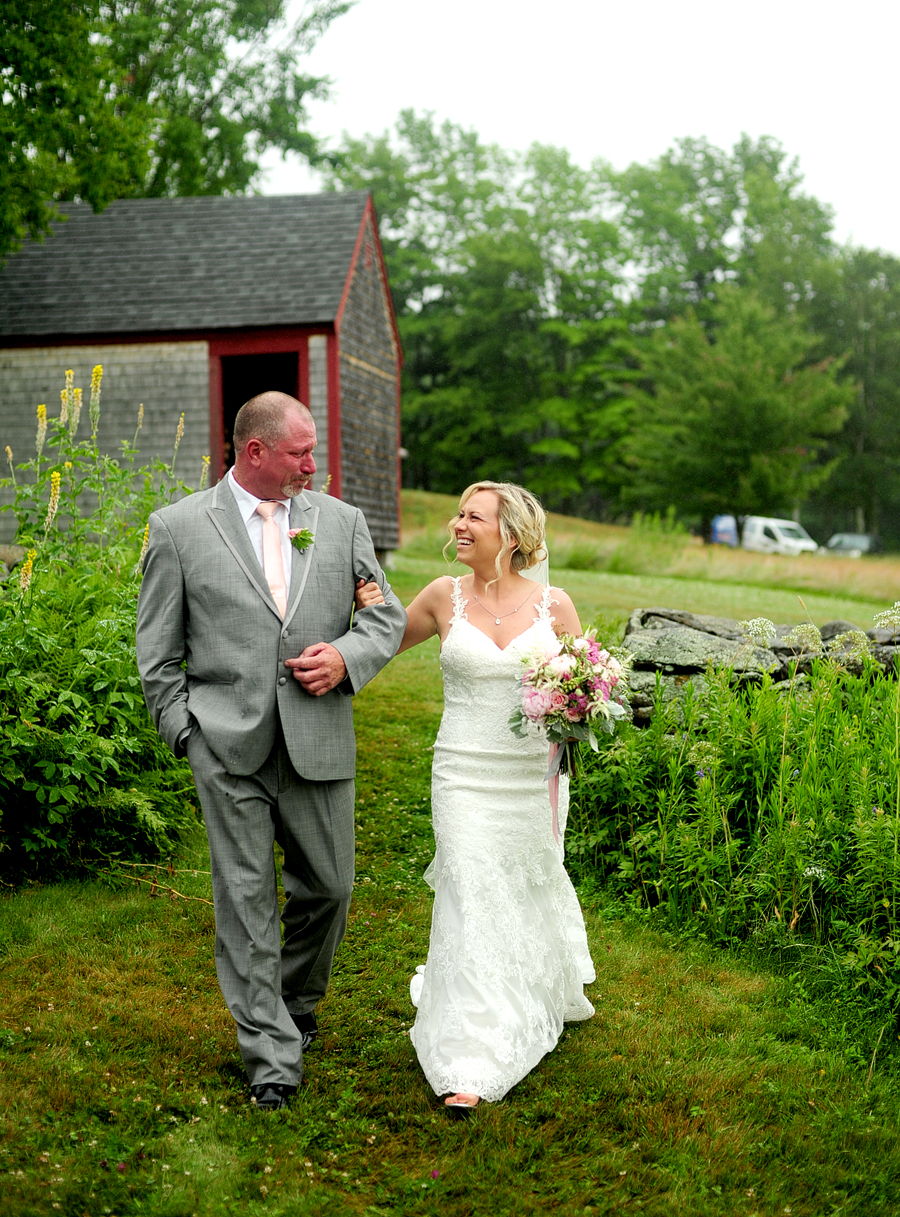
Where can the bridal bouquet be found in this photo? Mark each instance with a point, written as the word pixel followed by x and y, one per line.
pixel 571 687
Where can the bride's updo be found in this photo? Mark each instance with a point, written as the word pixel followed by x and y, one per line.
pixel 522 520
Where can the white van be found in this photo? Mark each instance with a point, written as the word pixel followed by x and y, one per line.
pixel 770 536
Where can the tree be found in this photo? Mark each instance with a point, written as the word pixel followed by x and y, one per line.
pixel 856 313
pixel 504 271
pixel 699 217
pixel 220 79
pixel 736 415
pixel 106 99
pixel 62 134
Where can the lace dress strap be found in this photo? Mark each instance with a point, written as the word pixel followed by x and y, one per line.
pixel 459 601
pixel 544 607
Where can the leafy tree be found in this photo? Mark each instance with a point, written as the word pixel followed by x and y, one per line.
pixel 105 99
pixel 736 414
pixel 220 78
pixel 62 133
pixel 856 313
pixel 504 271
pixel 699 217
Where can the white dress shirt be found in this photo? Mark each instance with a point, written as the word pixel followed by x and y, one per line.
pixel 253 522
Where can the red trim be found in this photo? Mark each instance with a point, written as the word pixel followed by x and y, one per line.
pixel 333 359
pixel 216 421
pixel 303 372
pixel 370 211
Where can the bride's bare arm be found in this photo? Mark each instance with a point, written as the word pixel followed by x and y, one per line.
pixel 427 613
pixel 565 616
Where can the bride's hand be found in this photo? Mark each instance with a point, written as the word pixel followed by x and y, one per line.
pixel 367 594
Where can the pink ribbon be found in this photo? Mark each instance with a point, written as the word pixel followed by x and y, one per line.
pixel 553 783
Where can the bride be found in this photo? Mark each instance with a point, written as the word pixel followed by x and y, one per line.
pixel 508 955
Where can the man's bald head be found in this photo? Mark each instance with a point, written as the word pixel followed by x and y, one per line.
pixel 264 417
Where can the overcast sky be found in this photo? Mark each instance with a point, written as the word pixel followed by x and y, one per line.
pixel 622 81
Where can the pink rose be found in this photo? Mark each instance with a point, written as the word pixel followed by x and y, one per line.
pixel 562 665
pixel 535 704
pixel 557 701
pixel 573 714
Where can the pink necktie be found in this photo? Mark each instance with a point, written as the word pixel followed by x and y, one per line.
pixel 273 563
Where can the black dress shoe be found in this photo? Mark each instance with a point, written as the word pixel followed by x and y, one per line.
pixel 307 1026
pixel 271 1096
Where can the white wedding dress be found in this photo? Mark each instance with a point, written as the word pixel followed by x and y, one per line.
pixel 508 954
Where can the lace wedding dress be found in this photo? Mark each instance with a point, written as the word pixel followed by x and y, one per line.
pixel 508 954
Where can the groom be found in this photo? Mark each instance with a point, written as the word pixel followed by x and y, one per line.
pixel 248 663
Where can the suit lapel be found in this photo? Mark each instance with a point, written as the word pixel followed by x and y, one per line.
pixel 226 518
pixel 303 515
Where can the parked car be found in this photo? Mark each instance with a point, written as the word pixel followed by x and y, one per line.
pixel 852 544
pixel 767 535
pixel 724 530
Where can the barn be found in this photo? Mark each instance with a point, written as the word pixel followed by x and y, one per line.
pixel 193 305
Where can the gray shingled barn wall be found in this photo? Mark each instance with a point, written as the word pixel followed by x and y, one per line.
pixel 368 370
pixel 167 377
pixel 221 270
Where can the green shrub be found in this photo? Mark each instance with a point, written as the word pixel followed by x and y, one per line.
pixel 84 778
pixel 768 811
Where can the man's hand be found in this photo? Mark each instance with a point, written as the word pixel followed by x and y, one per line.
pixel 319 669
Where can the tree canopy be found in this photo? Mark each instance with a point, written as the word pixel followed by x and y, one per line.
pixel 683 333
pixel 108 99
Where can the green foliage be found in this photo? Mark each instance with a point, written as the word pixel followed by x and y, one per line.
pixel 219 79
pixel 108 99
pixel 698 217
pixel 769 811
pixel 856 313
pixel 83 774
pixel 63 132
pixel 736 415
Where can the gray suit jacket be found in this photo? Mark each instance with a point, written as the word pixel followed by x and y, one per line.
pixel 211 645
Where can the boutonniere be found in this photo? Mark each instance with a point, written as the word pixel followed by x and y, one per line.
pixel 301 538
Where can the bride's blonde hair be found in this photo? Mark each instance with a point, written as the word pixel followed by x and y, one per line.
pixel 522 521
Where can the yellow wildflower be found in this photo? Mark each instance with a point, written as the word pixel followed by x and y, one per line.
pixel 9 461
pixel 41 428
pixel 96 377
pixel 204 472
pixel 25 572
pixel 179 433
pixel 140 562
pixel 63 407
pixel 76 413
pixel 69 403
pixel 54 499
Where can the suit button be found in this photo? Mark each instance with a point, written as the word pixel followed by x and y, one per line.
pixel 282 680
pixel 284 634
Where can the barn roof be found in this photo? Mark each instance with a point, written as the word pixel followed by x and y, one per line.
pixel 146 265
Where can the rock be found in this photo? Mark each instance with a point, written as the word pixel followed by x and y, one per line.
pixel 664 619
pixel 680 649
pixel 678 646
pixel 831 629
pixel 674 688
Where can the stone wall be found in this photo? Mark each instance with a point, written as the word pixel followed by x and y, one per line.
pixel 675 647
pixel 169 378
pixel 368 370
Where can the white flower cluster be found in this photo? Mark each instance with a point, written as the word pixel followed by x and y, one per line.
pixel 889 619
pixel 805 637
pixel 759 630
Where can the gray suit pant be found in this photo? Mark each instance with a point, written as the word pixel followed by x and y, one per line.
pixel 262 981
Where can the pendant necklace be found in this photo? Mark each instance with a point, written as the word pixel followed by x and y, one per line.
pixel 497 620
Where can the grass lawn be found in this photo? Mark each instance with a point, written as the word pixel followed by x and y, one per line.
pixel 702 1086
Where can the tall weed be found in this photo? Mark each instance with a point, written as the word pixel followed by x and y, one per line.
pixel 83 775
pixel 769 811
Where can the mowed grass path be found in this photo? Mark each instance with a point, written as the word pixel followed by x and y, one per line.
pixel 702 1086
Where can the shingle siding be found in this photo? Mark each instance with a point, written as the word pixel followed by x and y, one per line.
pixel 369 399
pixel 169 378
